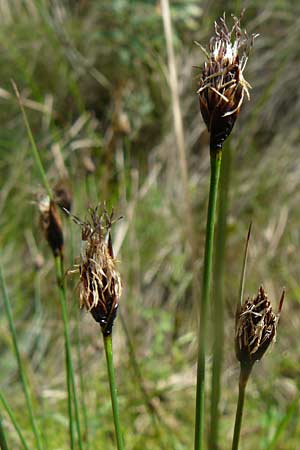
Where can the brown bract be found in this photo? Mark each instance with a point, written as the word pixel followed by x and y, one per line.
pixel 256 326
pixel 100 282
pixel 51 225
pixel 222 86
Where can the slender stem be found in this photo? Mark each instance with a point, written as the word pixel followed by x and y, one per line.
pixel 218 304
pixel 69 364
pixel 79 358
pixel 13 421
pixel 215 161
pixel 25 386
pixel 3 442
pixel 81 381
pixel 244 376
pixel 34 149
pixel 113 390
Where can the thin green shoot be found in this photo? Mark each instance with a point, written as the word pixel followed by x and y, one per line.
pixel 33 145
pixel 3 441
pixel 13 421
pixel 8 312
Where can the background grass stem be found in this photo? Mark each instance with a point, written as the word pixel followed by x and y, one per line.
pixel 113 390
pixel 13 421
pixel 3 442
pixel 215 166
pixel 34 149
pixel 8 312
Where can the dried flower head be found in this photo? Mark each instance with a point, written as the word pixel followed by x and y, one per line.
pixel 100 282
pixel 222 86
pixel 256 326
pixel 51 225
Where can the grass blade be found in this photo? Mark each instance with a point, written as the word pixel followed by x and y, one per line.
pixel 13 421
pixel 3 442
pixel 8 312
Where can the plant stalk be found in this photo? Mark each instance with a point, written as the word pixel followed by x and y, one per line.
pixel 218 303
pixel 34 148
pixel 244 376
pixel 69 364
pixel 3 442
pixel 113 390
pixel 25 386
pixel 215 165
pixel 13 421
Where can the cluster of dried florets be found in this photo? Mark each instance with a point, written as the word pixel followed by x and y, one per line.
pixel 222 86
pixel 100 282
pixel 256 326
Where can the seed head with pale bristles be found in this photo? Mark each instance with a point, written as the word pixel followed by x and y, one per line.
pixel 100 282
pixel 222 86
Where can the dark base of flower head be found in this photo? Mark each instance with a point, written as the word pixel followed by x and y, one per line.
pixel 106 321
pixel 53 230
pixel 220 132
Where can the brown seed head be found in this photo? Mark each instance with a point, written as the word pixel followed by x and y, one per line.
pixel 255 329
pixel 51 225
pixel 222 86
pixel 100 282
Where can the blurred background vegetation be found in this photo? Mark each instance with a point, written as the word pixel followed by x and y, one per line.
pixel 94 78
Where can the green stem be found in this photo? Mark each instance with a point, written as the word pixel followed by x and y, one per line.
pixel 34 149
pixel 218 304
pixel 25 386
pixel 113 390
pixel 69 364
pixel 215 162
pixel 81 381
pixel 79 358
pixel 244 376
pixel 3 442
pixel 13 421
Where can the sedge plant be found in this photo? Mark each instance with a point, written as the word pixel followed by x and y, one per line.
pixel 222 88
pixel 100 290
pixel 255 330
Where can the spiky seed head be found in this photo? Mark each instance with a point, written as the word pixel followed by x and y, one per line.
pixel 256 326
pixel 100 281
pixel 222 86
pixel 51 225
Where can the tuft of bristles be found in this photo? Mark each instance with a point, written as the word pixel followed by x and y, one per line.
pixel 100 281
pixel 222 86
pixel 256 327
